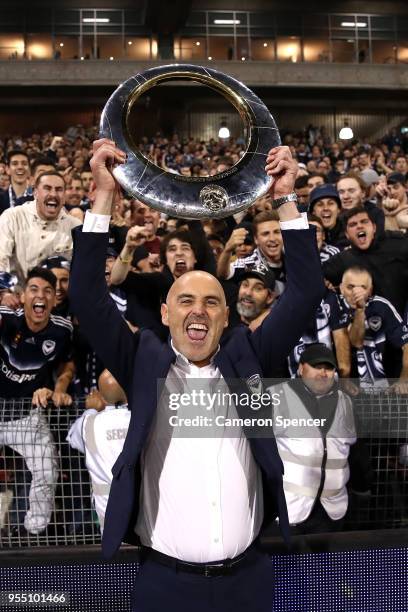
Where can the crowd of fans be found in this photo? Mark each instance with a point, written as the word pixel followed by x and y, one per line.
pixel 354 193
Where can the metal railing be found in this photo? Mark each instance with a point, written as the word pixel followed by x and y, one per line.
pixel 45 490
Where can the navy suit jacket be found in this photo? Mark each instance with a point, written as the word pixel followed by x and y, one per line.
pixel 138 361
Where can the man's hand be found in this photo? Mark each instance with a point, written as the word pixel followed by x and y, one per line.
pixel 11 300
pixel 236 239
pixel 281 166
pixel 348 387
pixel 95 400
pixel 61 399
pixel 56 142
pixel 390 204
pixel 359 298
pixel 381 189
pixel 135 237
pixel 41 397
pixel 400 387
pixel 105 156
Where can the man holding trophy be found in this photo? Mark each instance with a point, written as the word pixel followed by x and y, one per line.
pixel 196 505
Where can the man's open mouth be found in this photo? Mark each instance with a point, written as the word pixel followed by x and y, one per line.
pixel 51 205
pixel 197 331
pixel 181 265
pixel 39 308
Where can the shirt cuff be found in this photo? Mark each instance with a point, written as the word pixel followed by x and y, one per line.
pixel 299 223
pixel 96 223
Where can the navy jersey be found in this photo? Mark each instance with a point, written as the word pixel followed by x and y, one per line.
pixel 328 318
pixel 28 359
pixel 382 324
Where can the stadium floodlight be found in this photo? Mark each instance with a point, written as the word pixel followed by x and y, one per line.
pixel 351 24
pixel 95 20
pixel 346 133
pixel 223 132
pixel 227 21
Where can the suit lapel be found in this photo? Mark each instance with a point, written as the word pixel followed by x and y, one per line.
pixel 149 375
pixel 238 377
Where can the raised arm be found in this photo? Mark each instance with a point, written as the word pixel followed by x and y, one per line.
pixel 100 320
pixel 135 237
pixel 304 290
pixel 236 239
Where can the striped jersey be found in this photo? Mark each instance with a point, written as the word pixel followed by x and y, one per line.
pixel 327 319
pixel 382 324
pixel 327 251
pixel 28 359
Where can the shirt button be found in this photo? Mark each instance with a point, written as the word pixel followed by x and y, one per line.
pixel 214 504
pixel 42 236
pixel 216 540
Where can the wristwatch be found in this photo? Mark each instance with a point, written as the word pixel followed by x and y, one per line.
pixel 291 197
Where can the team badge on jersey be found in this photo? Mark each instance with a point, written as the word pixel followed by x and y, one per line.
pixel 254 383
pixel 16 340
pixel 47 347
pixel 374 323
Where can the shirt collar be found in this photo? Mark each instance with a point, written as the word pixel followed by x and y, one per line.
pixel 182 360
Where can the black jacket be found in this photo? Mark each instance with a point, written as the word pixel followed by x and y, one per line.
pixel 138 361
pixel 387 260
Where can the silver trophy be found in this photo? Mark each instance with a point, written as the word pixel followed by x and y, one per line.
pixel 216 196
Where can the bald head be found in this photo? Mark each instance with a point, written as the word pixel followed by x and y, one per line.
pixel 196 276
pixel 196 313
pixel 110 389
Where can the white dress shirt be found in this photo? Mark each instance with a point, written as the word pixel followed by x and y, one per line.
pixel 201 498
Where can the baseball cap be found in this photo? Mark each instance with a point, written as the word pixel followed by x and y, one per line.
pixel 315 354
pixel 396 177
pixel 110 252
pixel 56 261
pixel 369 176
pixel 140 253
pixel 261 273
pixel 323 191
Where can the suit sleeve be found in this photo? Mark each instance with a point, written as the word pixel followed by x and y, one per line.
pixel 296 307
pixel 99 319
